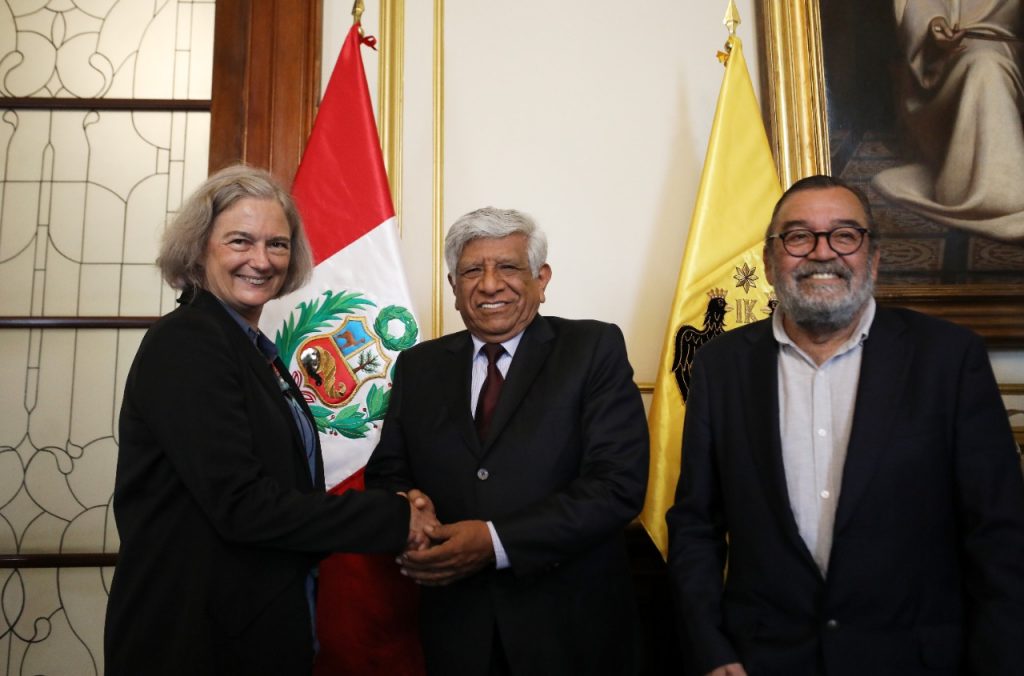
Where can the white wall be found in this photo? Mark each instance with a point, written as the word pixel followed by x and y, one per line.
pixel 591 115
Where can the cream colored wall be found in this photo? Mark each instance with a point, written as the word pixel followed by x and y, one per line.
pixel 592 115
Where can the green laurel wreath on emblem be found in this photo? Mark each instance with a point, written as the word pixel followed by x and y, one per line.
pixel 399 343
pixel 314 315
pixel 349 422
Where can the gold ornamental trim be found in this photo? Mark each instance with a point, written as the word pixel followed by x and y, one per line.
pixel 796 89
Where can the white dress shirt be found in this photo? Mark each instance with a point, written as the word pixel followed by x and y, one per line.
pixel 479 374
pixel 816 405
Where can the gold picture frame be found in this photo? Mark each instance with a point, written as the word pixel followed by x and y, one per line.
pixel 798 126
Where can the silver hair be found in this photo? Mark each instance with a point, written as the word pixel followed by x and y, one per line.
pixel 183 247
pixel 492 223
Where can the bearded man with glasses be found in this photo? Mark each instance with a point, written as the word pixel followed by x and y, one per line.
pixel 855 468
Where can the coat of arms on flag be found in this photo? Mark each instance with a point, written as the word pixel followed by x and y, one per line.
pixel 336 345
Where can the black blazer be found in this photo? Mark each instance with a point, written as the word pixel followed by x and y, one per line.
pixel 562 473
pixel 219 519
pixel 926 574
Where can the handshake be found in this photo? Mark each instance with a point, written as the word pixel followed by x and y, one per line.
pixel 438 554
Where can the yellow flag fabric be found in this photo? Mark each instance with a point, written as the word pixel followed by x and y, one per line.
pixel 721 281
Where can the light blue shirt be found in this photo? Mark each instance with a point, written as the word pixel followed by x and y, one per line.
pixel 816 405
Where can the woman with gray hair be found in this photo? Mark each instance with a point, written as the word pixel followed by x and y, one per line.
pixel 219 495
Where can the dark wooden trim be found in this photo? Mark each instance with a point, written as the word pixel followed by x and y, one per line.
pixel 230 71
pixel 32 103
pixel 993 311
pixel 266 71
pixel 57 560
pixel 77 322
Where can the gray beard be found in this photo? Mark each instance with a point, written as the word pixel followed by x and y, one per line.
pixel 825 314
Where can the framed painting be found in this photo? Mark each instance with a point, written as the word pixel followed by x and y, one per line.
pixel 917 102
pixel 1013 399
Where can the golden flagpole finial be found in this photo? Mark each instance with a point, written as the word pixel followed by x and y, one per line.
pixel 358 9
pixel 732 18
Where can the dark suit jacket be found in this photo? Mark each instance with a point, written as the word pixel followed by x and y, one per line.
pixel 562 473
pixel 220 521
pixel 926 574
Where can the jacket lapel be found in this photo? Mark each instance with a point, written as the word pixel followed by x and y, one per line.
pixel 761 408
pixel 883 380
pixel 318 478
pixel 530 356
pixel 264 374
pixel 459 353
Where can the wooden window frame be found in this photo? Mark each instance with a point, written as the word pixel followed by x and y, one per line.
pixel 266 72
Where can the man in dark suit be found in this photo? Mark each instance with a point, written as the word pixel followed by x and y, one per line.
pixel 855 468
pixel 529 574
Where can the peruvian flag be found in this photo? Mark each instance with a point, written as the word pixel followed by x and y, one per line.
pixel 340 335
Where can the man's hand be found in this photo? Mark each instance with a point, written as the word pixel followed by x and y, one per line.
pixel 422 520
pixel 462 549
pixel 734 669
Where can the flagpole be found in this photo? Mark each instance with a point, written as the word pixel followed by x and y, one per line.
pixel 732 18
pixel 357 14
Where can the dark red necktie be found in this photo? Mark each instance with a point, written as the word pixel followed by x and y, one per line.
pixel 489 393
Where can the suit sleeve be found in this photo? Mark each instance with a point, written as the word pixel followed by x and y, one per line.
pixel 991 518
pixel 697 535
pixel 187 405
pixel 609 489
pixel 388 466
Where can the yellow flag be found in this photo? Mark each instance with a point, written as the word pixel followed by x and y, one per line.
pixel 721 281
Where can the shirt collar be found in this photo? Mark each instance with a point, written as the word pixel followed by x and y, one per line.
pixel 510 345
pixel 859 335
pixel 258 338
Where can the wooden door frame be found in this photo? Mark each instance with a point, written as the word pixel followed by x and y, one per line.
pixel 266 72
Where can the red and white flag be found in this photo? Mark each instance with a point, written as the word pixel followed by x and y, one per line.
pixel 340 335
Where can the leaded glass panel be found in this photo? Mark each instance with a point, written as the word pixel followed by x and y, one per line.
pixel 130 49
pixel 84 196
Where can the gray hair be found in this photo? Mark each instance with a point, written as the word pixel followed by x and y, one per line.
pixel 183 246
pixel 492 223
pixel 821 182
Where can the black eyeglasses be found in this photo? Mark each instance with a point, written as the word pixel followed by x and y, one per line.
pixel 844 241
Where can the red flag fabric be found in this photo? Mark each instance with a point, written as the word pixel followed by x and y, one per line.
pixel 366 617
pixel 341 186
pixel 340 335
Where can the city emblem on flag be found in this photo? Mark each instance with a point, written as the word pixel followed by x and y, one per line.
pixel 689 337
